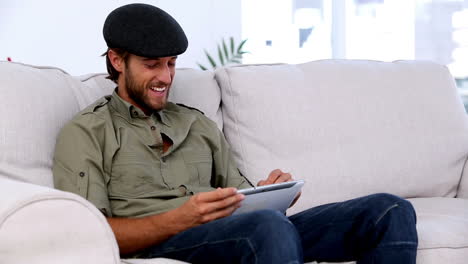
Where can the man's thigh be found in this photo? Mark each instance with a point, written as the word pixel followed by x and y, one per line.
pixel 245 238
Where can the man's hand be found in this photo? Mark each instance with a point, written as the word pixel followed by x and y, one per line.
pixel 208 206
pixel 135 234
pixel 277 176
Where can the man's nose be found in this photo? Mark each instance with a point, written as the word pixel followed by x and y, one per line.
pixel 164 75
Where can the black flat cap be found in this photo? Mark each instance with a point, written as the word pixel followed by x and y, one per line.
pixel 144 30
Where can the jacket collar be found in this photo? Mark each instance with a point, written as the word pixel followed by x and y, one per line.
pixel 131 112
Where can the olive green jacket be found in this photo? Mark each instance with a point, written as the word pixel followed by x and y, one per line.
pixel 111 153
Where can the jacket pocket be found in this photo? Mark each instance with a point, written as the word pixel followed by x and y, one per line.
pixel 199 164
pixel 133 177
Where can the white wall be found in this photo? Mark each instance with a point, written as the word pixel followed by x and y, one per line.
pixel 68 34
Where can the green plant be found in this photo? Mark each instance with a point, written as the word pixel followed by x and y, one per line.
pixel 226 55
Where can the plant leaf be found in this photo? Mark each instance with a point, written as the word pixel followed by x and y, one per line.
pixel 225 49
pixel 202 67
pixel 210 59
pixel 239 49
pixel 220 55
pixel 231 39
pixel 226 53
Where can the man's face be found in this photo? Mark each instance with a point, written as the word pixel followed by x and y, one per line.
pixel 145 82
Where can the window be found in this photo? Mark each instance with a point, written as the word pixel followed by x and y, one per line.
pixel 295 31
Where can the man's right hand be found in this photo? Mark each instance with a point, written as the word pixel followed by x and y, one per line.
pixel 135 234
pixel 208 206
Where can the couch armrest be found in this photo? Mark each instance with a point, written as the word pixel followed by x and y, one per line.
pixel 43 225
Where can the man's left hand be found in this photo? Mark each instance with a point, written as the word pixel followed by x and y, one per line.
pixel 277 176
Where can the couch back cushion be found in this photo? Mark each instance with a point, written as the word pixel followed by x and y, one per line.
pixel 36 103
pixel 349 128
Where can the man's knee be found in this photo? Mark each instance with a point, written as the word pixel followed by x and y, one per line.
pixel 395 219
pixel 270 220
pixel 270 224
pixel 273 234
pixel 392 206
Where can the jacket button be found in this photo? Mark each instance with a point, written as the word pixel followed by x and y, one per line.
pixel 82 174
pixel 153 128
pixel 183 189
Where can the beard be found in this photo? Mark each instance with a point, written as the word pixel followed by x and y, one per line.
pixel 138 92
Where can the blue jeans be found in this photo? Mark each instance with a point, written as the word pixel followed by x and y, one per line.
pixel 379 228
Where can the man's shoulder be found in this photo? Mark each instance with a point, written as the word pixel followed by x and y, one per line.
pixel 95 114
pixel 93 129
pixel 100 105
pixel 192 117
pixel 182 108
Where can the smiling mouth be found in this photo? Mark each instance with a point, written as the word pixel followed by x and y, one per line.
pixel 158 89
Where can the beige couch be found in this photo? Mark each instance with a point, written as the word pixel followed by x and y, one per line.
pixel 349 128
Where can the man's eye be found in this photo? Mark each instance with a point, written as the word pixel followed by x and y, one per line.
pixel 150 66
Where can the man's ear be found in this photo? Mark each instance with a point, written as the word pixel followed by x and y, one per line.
pixel 116 60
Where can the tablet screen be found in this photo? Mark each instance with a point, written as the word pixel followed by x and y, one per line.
pixel 273 197
pixel 267 188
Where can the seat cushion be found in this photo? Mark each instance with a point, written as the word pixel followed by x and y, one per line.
pixel 442 229
pixel 348 128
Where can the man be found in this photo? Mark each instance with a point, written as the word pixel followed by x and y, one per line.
pixel 164 177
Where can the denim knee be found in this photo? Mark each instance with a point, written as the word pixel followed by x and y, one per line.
pixel 394 221
pixel 387 203
pixel 267 221
pixel 274 234
pixel 264 216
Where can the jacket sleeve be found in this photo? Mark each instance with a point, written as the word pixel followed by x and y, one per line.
pixel 79 160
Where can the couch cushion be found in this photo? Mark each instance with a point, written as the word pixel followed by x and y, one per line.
pixel 98 86
pixel 198 89
pixel 442 230
pixel 191 87
pixel 349 128
pixel 442 222
pixel 36 103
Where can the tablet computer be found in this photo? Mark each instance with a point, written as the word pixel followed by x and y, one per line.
pixel 274 197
